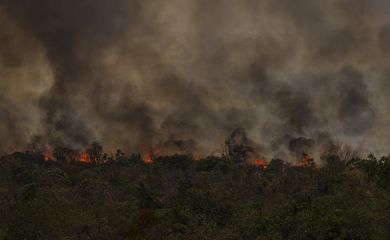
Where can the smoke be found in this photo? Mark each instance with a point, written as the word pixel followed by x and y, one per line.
pixel 299 146
pixel 187 73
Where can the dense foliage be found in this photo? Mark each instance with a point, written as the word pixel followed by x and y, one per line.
pixel 178 198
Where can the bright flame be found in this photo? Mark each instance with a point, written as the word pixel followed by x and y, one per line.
pixel 149 156
pixel 85 158
pixel 261 163
pixel 48 156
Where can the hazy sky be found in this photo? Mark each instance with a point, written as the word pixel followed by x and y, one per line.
pixel 128 73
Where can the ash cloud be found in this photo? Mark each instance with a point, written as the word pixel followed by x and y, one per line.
pixel 173 72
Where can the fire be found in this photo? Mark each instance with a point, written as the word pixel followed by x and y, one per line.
pixel 306 161
pixel 48 156
pixel 85 158
pixel 149 156
pixel 261 163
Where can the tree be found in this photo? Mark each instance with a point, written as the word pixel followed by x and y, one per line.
pixel 238 145
pixel 95 152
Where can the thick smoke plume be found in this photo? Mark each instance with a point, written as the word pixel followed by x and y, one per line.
pixel 185 74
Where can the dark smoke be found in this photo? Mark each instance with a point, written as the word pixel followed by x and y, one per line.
pixel 301 146
pixel 355 111
pixel 185 74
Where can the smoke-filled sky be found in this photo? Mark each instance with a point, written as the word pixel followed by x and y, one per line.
pixel 127 73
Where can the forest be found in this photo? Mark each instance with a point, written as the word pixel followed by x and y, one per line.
pixel 302 86
pixel 177 197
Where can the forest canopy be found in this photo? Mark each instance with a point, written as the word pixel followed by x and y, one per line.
pixel 177 197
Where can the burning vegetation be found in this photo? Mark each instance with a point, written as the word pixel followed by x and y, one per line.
pixel 239 148
pixel 151 155
pixel 219 119
pixel 261 163
pixel 70 194
pixel 306 161
pixel 126 73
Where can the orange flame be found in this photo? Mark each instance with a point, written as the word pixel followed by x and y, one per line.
pixel 149 156
pixel 261 163
pixel 306 161
pixel 85 158
pixel 48 156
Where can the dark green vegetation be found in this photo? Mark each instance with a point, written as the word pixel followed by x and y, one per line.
pixel 177 198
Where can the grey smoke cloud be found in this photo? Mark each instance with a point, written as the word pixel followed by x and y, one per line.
pixel 126 73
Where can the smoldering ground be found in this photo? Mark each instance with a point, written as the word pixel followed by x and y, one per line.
pixel 126 73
